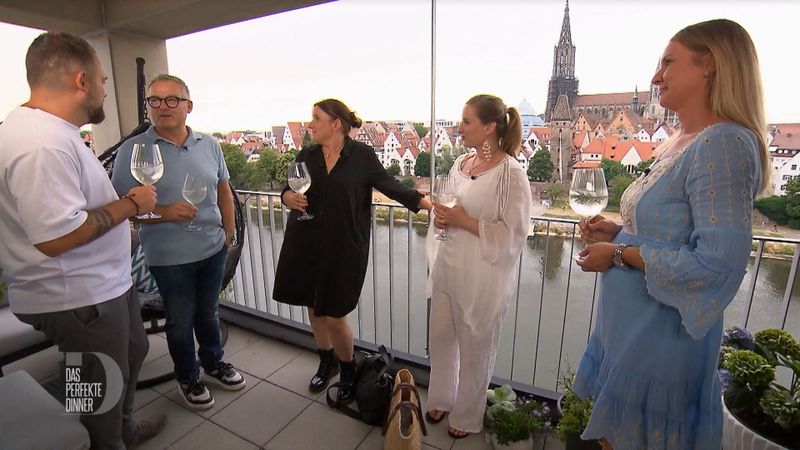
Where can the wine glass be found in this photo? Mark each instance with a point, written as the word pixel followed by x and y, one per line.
pixel 147 168
pixel 444 193
pixel 194 191
pixel 300 181
pixel 588 193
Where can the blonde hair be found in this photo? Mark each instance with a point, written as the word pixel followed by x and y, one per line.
pixel 735 89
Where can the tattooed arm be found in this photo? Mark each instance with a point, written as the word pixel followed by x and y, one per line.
pixel 100 220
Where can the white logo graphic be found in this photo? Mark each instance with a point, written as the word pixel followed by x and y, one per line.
pixel 80 396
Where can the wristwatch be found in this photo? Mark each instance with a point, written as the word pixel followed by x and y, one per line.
pixel 618 256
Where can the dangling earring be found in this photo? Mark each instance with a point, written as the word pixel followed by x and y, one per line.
pixel 486 149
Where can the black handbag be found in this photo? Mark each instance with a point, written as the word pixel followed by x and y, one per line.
pixel 373 388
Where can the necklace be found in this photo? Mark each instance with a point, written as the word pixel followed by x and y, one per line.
pixel 473 166
pixel 332 154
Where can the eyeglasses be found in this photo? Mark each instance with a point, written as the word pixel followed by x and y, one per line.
pixel 171 101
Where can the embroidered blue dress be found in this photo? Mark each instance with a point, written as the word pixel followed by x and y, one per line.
pixel 651 360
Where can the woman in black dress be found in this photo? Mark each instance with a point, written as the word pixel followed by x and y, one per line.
pixel 323 261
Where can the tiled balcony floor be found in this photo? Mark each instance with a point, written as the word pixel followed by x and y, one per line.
pixel 274 411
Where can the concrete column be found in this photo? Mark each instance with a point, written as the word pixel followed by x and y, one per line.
pixel 118 52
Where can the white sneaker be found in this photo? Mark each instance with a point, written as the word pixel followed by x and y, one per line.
pixel 196 394
pixel 225 376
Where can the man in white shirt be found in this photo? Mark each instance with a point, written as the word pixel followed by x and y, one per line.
pixel 65 236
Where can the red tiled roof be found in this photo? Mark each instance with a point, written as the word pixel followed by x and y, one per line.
pixel 577 141
pixel 410 136
pixel 232 136
pixel 645 149
pixel 297 130
pixel 787 141
pixel 619 98
pixel 591 119
pixel 278 133
pixel 670 130
pixel 781 128
pixel 542 133
pixel 621 150
pixel 586 165
pixel 607 146
pixel 253 146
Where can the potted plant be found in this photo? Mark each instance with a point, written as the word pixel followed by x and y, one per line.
pixel 760 411
pixel 515 423
pixel 573 413
pixel 502 397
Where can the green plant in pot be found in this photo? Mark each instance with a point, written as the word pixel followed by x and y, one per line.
pixel 574 415
pixel 499 398
pixel 514 421
pixel 750 370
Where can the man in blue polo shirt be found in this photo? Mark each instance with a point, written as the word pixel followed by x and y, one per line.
pixel 187 265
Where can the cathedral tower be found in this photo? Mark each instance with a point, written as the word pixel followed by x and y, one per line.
pixel 563 80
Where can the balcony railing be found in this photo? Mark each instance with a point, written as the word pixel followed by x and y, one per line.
pixel 551 312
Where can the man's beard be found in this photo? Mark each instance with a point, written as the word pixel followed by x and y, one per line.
pixel 95 113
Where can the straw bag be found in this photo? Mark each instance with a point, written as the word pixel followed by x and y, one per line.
pixel 404 426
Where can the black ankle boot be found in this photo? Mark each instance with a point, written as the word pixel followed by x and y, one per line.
pixel 328 367
pixel 347 391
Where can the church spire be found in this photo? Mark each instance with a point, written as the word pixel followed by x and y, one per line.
pixel 566 33
pixel 563 80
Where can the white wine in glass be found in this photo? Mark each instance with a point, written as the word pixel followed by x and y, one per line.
pixel 444 194
pixel 147 168
pixel 299 181
pixel 194 191
pixel 588 193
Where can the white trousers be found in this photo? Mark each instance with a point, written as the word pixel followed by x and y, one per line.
pixel 462 363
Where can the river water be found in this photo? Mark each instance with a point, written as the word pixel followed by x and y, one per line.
pixel 554 303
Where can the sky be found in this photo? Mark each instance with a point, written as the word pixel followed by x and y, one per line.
pixel 376 56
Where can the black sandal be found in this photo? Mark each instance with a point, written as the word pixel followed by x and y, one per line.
pixel 431 419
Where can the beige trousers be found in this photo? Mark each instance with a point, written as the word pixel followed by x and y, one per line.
pixel 462 363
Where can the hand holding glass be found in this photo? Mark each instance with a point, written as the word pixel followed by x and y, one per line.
pixel 588 194
pixel 194 191
pixel 444 193
pixel 299 181
pixel 147 168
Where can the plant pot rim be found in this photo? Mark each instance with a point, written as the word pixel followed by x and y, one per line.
pixel 559 410
pixel 749 428
pixel 496 442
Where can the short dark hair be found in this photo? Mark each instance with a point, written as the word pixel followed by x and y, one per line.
pixel 338 110
pixel 51 56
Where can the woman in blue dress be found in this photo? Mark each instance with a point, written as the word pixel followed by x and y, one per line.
pixel 677 260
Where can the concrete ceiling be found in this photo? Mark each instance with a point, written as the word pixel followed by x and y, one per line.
pixel 161 19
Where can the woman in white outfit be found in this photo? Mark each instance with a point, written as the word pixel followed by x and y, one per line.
pixel 474 271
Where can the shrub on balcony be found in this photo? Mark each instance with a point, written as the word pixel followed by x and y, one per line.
pixel 748 367
pixel 574 415
pixel 515 419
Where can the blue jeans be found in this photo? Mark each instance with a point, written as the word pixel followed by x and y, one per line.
pixel 191 301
